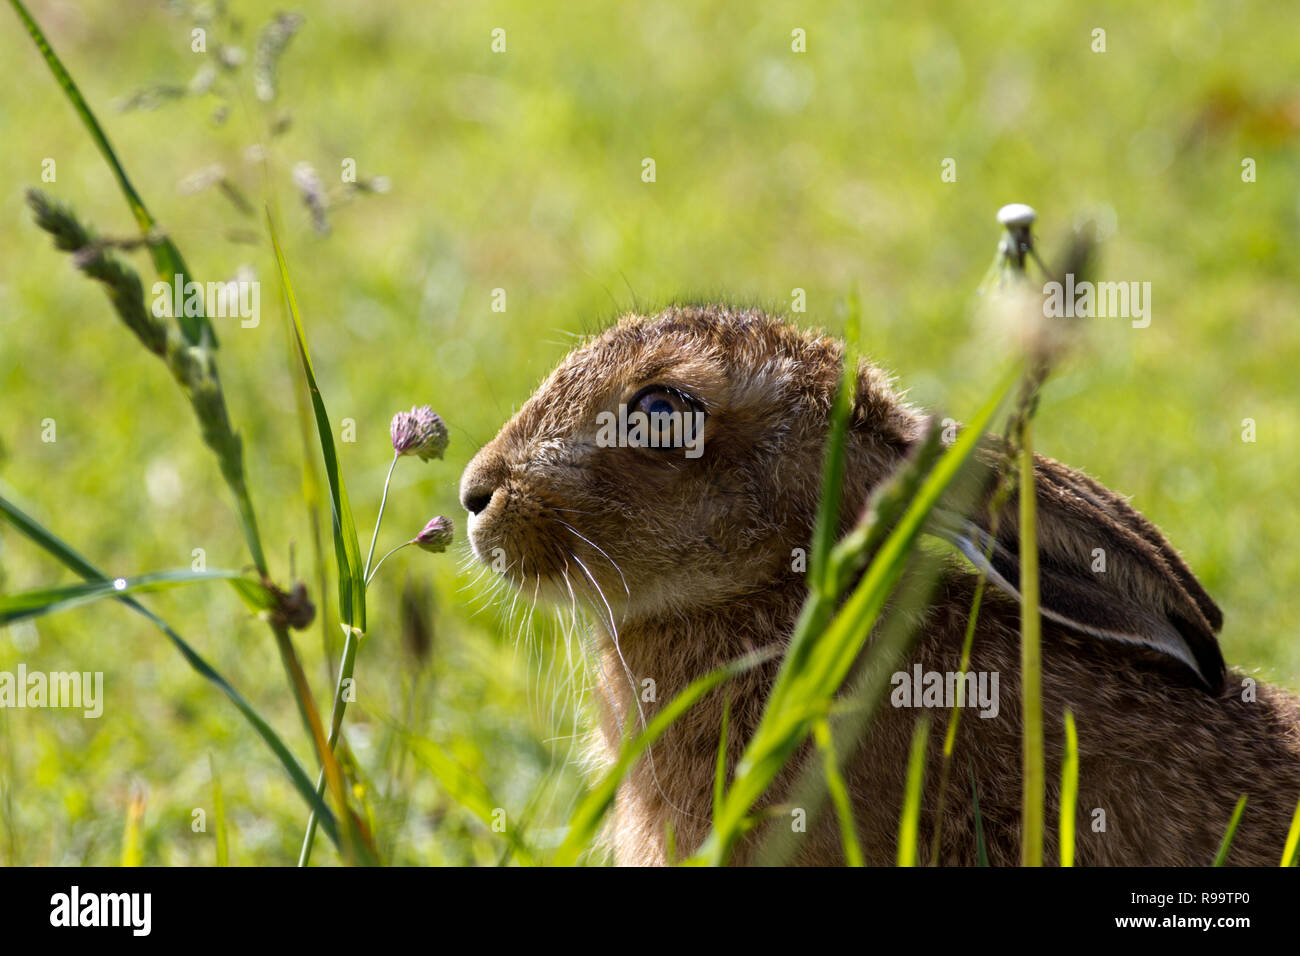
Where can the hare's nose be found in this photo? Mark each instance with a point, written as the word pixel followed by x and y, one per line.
pixel 483 476
pixel 476 498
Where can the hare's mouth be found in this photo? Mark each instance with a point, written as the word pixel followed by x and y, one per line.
pixel 539 549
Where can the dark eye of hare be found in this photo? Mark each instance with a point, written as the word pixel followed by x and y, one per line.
pixel 671 414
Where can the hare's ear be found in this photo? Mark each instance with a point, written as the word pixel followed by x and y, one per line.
pixel 1104 569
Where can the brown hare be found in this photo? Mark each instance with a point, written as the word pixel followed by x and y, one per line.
pixel 683 554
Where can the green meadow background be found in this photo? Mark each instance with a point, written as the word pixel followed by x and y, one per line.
pixel 521 171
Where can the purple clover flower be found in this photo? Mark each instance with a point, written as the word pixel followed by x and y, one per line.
pixel 436 536
pixel 419 432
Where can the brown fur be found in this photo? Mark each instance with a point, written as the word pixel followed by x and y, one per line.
pixel 688 562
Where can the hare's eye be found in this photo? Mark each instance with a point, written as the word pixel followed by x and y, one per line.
pixel 669 417
pixel 659 403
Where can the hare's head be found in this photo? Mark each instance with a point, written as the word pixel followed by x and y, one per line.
pixel 673 461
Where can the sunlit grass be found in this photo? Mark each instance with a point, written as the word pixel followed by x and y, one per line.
pixel 396 302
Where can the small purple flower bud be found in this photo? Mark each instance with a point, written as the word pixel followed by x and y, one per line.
pixel 436 536
pixel 419 432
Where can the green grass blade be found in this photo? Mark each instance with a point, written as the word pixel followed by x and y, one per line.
pixel 34 603
pixel 826 529
pixel 954 715
pixel 968 642
pixel 346 666
pixel 219 816
pixel 856 705
pixel 466 790
pixel 1069 790
pixel 47 540
pixel 1222 856
pixel 586 819
pixel 132 854
pixel 1031 669
pixel 313 496
pixel 840 645
pixel 352 585
pixel 839 794
pixel 909 824
pixel 802 691
pixel 1291 851
pixel 825 564
pixel 166 257
pixel 351 573
pixel 347 552
pixel 51 543
pixel 720 768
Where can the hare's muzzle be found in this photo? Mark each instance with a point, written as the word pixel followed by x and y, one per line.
pixel 502 522
pixel 482 481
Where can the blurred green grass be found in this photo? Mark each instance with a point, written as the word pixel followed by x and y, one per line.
pixel 522 171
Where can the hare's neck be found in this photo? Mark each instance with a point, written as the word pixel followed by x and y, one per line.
pixel 652 663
